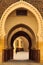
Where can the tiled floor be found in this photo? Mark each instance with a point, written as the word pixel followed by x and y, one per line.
pixel 20 63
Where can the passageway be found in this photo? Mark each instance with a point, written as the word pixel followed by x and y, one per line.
pixel 20 51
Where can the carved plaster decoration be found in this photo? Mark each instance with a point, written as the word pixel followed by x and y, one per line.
pixel 24 5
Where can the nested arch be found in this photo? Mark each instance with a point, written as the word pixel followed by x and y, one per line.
pixel 21 33
pixel 20 4
pixel 20 26
pixel 21 30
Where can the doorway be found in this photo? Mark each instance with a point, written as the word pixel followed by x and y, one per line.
pixel 21 45
pixel 21 31
pixel 20 48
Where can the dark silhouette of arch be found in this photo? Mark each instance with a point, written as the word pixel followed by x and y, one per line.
pixel 21 33
pixel 18 26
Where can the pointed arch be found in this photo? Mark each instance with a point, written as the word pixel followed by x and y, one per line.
pixel 22 4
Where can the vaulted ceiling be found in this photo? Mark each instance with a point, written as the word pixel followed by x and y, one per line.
pixel 6 3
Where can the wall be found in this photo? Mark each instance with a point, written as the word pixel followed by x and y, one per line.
pixel 29 20
pixel 4 4
pixel 22 19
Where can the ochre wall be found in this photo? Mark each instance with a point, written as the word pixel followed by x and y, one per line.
pixel 29 20
pixel 40 45
pixel 1 48
pixel 13 20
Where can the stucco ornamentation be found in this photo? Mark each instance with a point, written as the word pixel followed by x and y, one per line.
pixel 22 4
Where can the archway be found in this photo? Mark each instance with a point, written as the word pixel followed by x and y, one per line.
pixel 21 33
pixel 24 34
pixel 36 14
pixel 21 4
pixel 15 32
pixel 23 28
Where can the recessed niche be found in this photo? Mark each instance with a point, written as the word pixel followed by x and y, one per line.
pixel 22 12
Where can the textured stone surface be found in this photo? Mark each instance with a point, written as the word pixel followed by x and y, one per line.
pixel 38 4
pixel 6 3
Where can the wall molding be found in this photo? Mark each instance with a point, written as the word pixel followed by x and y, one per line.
pixel 29 7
